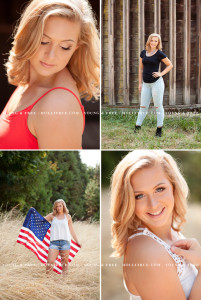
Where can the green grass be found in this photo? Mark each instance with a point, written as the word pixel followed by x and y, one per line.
pixel 180 131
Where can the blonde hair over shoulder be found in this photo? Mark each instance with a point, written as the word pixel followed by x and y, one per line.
pixel 125 222
pixel 84 65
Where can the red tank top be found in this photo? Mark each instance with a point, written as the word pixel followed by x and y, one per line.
pixel 14 131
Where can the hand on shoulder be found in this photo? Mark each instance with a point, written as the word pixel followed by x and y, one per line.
pixel 190 249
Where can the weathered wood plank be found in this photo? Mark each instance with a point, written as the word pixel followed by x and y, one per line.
pixel 141 24
pixel 157 16
pixel 172 51
pixel 187 50
pixel 126 47
pixel 198 18
pixel 141 29
pixel 111 51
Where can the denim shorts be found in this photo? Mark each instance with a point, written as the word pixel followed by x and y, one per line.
pixel 60 245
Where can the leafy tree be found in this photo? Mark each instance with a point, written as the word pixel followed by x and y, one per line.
pixel 38 178
pixel 22 176
pixel 92 194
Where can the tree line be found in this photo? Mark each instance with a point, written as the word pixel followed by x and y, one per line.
pixel 38 178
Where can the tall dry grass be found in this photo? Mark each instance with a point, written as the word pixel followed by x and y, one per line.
pixel 23 277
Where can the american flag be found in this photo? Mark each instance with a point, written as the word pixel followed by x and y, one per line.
pixel 35 235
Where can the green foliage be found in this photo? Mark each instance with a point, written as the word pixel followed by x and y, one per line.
pixel 38 178
pixel 189 163
pixel 92 193
pixel 109 161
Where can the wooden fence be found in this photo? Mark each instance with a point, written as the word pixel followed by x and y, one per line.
pixel 126 25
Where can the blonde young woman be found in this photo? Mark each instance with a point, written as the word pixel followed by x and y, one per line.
pixel 148 208
pixel 60 236
pixel 151 82
pixel 54 60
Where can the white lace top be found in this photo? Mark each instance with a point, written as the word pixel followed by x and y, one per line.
pixel 186 271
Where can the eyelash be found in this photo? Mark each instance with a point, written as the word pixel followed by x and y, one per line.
pixel 137 197
pixel 158 190
pixel 65 49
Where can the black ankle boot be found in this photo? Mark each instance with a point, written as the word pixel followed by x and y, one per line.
pixel 159 131
pixel 137 128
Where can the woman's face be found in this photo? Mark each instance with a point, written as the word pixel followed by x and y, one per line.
pixel 154 42
pixel 59 42
pixel 154 198
pixel 59 208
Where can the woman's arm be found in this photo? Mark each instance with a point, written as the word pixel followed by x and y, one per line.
pixel 169 65
pixel 140 74
pixel 72 231
pixel 49 217
pixel 151 271
pixel 58 123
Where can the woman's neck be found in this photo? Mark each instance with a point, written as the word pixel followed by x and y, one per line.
pixel 165 233
pixel 60 214
pixel 153 49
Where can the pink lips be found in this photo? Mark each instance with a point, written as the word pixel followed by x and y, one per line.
pixel 157 215
pixel 46 65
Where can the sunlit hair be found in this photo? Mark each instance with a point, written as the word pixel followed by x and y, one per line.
pixel 65 209
pixel 159 46
pixel 83 65
pixel 125 222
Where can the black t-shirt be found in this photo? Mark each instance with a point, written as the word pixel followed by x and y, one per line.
pixel 151 64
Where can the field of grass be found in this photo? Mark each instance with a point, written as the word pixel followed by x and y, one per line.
pixel 180 131
pixel 23 276
pixel 111 270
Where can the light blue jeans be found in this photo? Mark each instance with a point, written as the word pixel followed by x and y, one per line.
pixel 149 90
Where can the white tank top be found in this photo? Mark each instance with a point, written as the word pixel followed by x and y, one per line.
pixel 60 230
pixel 186 272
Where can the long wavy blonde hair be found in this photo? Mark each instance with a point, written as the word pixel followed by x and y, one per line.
pixel 65 209
pixel 125 222
pixel 159 46
pixel 84 64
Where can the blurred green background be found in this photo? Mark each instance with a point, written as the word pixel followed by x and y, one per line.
pixel 189 163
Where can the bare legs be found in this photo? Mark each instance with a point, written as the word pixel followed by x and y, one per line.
pixel 64 261
pixel 52 256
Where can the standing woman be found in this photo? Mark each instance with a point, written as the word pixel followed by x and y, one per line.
pixel 53 62
pixel 148 208
pixel 153 84
pixel 60 236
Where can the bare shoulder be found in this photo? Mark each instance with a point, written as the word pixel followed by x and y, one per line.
pixel 58 122
pixel 65 79
pixel 62 95
pixel 69 217
pixel 49 217
pixel 59 100
pixel 145 249
pixel 148 264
